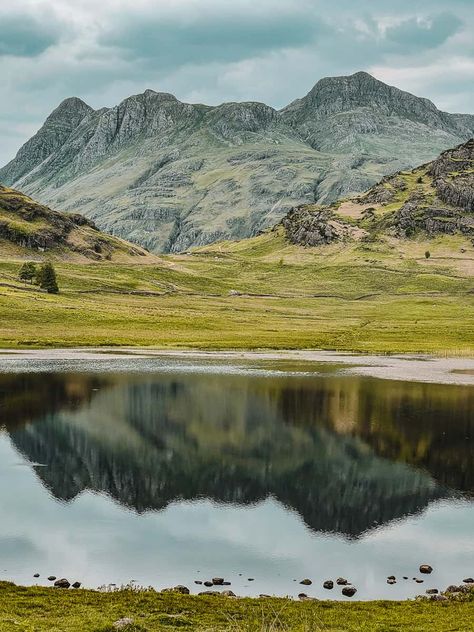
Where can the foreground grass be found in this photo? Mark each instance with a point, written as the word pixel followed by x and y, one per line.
pixel 260 293
pixel 51 610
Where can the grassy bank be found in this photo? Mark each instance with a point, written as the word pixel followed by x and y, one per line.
pixel 258 293
pixel 51 610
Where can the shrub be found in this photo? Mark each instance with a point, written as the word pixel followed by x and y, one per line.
pixel 46 278
pixel 427 254
pixel 27 272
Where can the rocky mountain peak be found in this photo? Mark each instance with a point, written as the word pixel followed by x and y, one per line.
pixel 333 95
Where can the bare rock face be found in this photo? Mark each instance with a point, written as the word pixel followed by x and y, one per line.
pixel 170 175
pixel 309 226
pixel 453 176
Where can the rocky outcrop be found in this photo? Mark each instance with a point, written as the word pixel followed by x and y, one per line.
pixel 170 175
pixel 453 176
pixel 309 226
pixel 434 199
pixel 411 219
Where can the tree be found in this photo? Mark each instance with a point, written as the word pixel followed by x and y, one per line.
pixel 27 272
pixel 46 278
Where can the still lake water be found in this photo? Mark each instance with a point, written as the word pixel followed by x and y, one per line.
pixel 166 471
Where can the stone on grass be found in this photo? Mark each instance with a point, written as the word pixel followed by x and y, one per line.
pixel 62 583
pixel 122 624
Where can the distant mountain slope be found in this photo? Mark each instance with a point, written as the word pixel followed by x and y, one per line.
pixel 31 229
pixel 171 175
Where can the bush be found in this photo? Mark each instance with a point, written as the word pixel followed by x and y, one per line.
pixel 27 272
pixel 427 254
pixel 46 278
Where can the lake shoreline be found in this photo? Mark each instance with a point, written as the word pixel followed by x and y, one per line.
pixel 140 611
pixel 407 367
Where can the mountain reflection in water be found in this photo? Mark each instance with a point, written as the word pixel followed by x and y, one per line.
pixel 347 453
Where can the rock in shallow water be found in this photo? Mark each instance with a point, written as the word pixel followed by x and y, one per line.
pixel 349 591
pixel 426 569
pixel 340 581
pixel 328 584
pixel 306 582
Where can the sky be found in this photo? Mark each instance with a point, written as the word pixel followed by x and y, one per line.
pixel 210 51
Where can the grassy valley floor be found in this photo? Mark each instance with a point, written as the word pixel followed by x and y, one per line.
pixel 264 293
pixel 55 610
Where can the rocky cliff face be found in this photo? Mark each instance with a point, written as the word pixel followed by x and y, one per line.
pixel 171 175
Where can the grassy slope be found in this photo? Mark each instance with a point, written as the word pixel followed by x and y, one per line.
pixel 375 297
pixel 46 609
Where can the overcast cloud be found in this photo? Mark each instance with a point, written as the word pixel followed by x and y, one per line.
pixel 215 50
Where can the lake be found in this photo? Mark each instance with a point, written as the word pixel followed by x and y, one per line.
pixel 164 471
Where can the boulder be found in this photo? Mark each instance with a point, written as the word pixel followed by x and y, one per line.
pixel 62 583
pixel 76 585
pixel 306 582
pixel 228 593
pixel 426 569
pixel 349 591
pixel 217 581
pixel 51 578
pixel 328 584
pixel 340 581
pixel 432 591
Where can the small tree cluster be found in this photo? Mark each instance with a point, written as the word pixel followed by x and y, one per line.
pixel 27 272
pixel 44 276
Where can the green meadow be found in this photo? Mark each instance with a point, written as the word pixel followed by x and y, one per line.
pixel 258 293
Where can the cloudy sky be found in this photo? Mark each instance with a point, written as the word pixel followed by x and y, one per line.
pixel 217 50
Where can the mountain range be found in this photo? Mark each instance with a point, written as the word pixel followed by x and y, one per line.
pixel 170 175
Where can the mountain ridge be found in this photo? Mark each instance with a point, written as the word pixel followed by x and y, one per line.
pixel 171 175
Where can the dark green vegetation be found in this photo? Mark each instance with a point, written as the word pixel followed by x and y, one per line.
pixel 55 610
pixel 171 175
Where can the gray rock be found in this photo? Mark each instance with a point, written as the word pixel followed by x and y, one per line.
pixel 341 581
pixel 228 593
pixel 217 581
pixel 62 583
pixel 349 591
pixel 76 585
pixel 306 582
pixel 51 578
pixel 432 591
pixel 426 569
pixel 328 584
pixel 468 580
pixel 123 624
